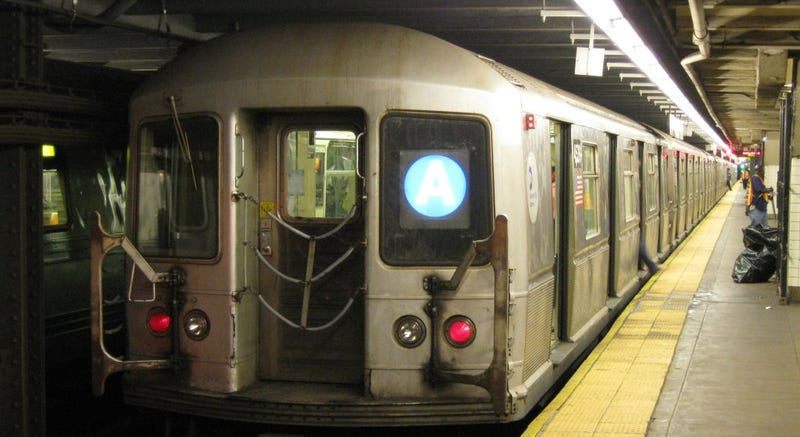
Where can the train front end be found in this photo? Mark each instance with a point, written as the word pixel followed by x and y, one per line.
pixel 314 239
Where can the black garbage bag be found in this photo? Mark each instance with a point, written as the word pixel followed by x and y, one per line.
pixel 757 237
pixel 754 266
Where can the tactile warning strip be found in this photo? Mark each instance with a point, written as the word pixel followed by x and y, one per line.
pixel 614 392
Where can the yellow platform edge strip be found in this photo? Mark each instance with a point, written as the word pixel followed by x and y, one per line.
pixel 708 231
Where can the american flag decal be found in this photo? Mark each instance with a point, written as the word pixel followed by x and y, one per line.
pixel 579 189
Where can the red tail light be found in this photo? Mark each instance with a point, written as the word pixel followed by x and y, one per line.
pixel 159 321
pixel 459 331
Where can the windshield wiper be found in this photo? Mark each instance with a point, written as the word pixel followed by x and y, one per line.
pixel 183 140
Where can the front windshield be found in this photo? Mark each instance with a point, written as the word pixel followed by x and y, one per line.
pixel 177 195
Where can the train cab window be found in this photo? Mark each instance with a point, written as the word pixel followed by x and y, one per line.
pixel 435 188
pixel 177 205
pixel 651 169
pixel 54 199
pixel 319 173
pixel 629 181
pixel 591 217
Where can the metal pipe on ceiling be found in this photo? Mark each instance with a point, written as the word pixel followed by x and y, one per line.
pixel 702 40
pixel 182 36
pixel 116 9
pixel 700 36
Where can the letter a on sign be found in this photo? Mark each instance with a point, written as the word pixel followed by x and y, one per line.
pixel 435 185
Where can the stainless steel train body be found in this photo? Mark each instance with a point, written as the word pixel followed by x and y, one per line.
pixel 363 224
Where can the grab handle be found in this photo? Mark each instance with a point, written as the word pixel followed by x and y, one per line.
pixel 103 363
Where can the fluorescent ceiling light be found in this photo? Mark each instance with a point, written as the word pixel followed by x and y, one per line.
pixel 560 14
pixel 608 17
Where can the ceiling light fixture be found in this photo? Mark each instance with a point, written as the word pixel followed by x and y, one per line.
pixel 609 18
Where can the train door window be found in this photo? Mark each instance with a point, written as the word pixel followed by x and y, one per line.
pixel 435 188
pixel 698 175
pixel 54 198
pixel 629 181
pixel 319 173
pixel 681 162
pixel 591 218
pixel 651 168
pixel 672 178
pixel 177 188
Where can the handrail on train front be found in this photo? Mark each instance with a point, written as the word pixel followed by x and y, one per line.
pixel 493 379
pixel 103 363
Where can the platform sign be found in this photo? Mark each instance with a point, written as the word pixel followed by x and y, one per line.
pixel 435 190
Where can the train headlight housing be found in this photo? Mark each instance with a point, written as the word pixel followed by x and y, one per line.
pixel 459 331
pixel 196 325
pixel 409 331
pixel 159 320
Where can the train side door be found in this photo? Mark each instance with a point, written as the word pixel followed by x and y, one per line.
pixel 585 252
pixel 683 205
pixel 690 195
pixel 649 205
pixel 559 137
pixel 311 236
pixel 624 214
pixel 667 189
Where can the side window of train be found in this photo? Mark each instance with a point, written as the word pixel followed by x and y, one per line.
pixel 628 174
pixel 591 218
pixel 177 206
pixel 652 180
pixel 319 171
pixel 54 193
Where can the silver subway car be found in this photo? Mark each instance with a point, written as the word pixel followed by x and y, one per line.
pixel 361 224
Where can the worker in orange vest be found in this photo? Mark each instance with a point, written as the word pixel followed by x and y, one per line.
pixel 745 179
pixel 758 195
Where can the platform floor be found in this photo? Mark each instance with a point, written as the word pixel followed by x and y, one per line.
pixel 694 354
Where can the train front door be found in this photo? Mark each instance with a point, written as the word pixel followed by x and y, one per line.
pixel 311 236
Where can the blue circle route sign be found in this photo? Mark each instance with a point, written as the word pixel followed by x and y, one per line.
pixel 435 186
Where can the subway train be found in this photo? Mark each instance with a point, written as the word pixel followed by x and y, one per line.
pixel 361 224
pixel 76 181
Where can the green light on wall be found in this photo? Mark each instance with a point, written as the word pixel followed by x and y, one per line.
pixel 48 150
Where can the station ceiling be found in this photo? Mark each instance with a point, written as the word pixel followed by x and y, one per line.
pixel 737 87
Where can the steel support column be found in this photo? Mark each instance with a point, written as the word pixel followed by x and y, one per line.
pixel 22 403
pixel 22 392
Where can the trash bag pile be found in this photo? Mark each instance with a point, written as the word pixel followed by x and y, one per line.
pixel 758 261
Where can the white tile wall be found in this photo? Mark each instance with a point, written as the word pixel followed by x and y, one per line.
pixel 771 180
pixel 793 212
pixel 771 176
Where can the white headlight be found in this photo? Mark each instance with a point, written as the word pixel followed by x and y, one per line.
pixel 409 331
pixel 196 325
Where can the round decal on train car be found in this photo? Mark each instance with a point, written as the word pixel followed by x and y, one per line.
pixel 533 189
pixel 435 186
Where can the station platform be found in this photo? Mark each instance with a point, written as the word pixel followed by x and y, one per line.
pixel 694 353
